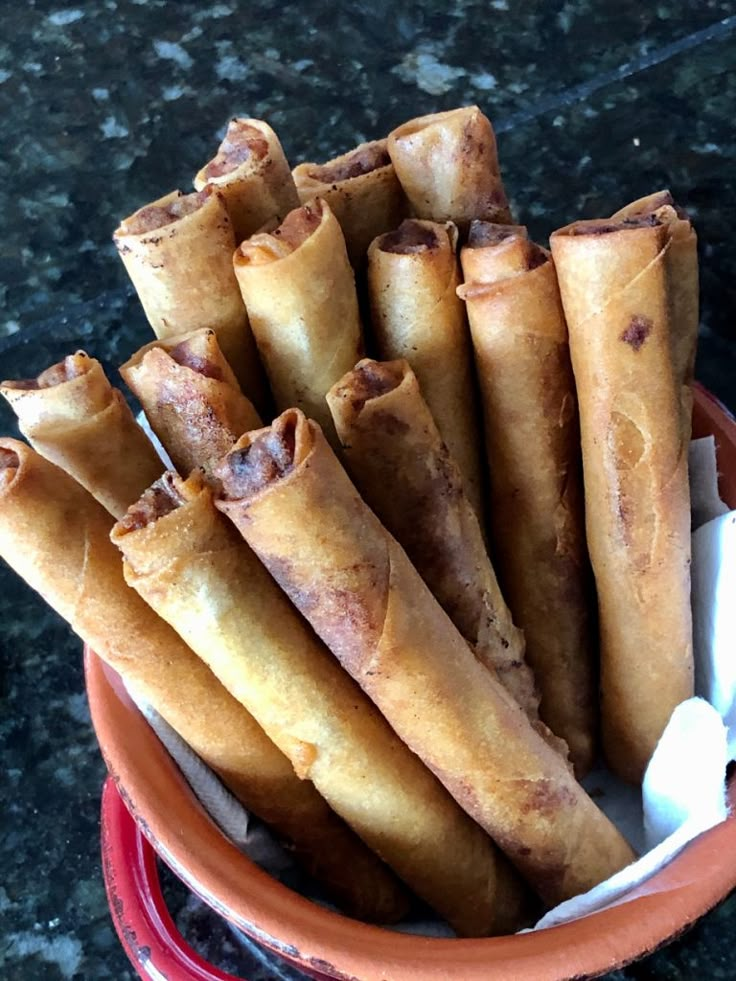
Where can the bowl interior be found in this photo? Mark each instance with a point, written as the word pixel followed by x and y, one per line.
pixel 190 843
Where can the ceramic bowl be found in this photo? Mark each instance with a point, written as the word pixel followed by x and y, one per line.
pixel 328 945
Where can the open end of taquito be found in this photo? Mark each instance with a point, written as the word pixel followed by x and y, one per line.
pixel 268 455
pixel 296 228
pixel 448 166
pixel 197 350
pixel 10 462
pixel 652 204
pixel 368 381
pixel 595 226
pixel 415 236
pixel 245 145
pixel 160 499
pixel 496 252
pixel 73 366
pixel 86 392
pixel 171 208
pixel 363 159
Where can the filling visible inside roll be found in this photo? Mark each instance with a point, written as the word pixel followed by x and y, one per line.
pixel 295 229
pixel 607 227
pixel 186 355
pixel 9 463
pixel 370 380
pixel 160 499
pixel 73 366
pixel 270 456
pixel 485 233
pixel 411 236
pixel 154 216
pixel 361 160
pixel 242 142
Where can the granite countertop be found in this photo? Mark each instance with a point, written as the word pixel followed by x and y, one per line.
pixel 108 104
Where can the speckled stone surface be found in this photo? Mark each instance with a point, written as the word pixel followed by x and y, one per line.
pixel 107 104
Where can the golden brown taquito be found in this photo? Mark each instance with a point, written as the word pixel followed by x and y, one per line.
pixel 178 253
pixel 195 570
pixel 394 452
pixel 448 166
pixel 292 501
pixel 362 190
pixel 252 173
pixel 416 315
pixel 613 280
pixel 532 437
pixel 191 398
pixel 56 537
pixel 299 289
pixel 75 418
pixel 682 269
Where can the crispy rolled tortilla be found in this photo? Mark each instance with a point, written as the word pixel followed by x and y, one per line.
pixel 191 398
pixel 532 437
pixel 362 190
pixel 196 571
pixel 253 176
pixel 416 315
pixel 404 472
pixel 294 504
pixel 682 268
pixel 448 166
pixel 299 289
pixel 178 253
pixel 614 284
pixel 73 416
pixel 56 537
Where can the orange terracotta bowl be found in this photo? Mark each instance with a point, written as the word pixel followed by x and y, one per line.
pixel 180 831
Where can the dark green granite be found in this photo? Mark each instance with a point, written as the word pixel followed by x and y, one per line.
pixel 105 105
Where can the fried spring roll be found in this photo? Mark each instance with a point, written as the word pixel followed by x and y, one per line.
pixel 191 398
pixel 613 280
pixel 417 316
pixel 404 472
pixel 73 416
pixel 56 537
pixel 448 166
pixel 299 289
pixel 356 586
pixel 178 254
pixel 532 437
pixel 682 268
pixel 362 190
pixel 252 173
pixel 193 567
